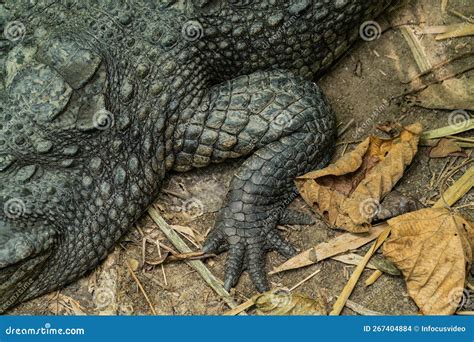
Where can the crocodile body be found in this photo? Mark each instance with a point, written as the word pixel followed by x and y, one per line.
pixel 100 100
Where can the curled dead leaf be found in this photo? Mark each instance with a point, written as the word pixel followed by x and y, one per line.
pixel 281 302
pixel 348 192
pixel 433 249
pixel 444 148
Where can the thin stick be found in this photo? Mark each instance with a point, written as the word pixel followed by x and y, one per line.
pixel 460 15
pixel 457 190
pixel 345 128
pixel 175 194
pixel 179 257
pixel 348 142
pixel 347 291
pixel 360 309
pixel 240 308
pixel 373 277
pixel 162 266
pixel 198 265
pixel 447 130
pixel 465 313
pixel 139 284
pixel 305 280
pixel 444 6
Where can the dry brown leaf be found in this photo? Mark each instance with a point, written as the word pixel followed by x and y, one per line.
pixel 281 302
pixel 444 148
pixel 352 259
pixel 348 192
pixel 340 244
pixel 451 94
pixel 186 230
pixel 432 248
pixel 65 305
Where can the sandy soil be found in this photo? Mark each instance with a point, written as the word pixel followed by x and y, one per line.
pixel 365 86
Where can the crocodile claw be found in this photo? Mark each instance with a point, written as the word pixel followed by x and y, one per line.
pixel 247 254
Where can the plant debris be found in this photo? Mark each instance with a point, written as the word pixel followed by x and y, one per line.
pixel 283 302
pixel 347 291
pixel 340 244
pixel 168 257
pixel 348 192
pixel 432 248
pixel 445 148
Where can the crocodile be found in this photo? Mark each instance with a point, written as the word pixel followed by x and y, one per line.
pixel 101 100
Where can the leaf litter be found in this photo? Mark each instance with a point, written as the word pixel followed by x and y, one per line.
pixel 348 192
pixel 433 248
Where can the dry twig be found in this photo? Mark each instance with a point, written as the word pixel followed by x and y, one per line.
pixel 198 265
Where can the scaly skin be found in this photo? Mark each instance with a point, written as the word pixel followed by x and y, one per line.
pixel 101 99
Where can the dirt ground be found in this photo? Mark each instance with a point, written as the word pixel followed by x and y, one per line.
pixel 365 86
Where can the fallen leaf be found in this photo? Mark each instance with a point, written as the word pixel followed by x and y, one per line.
pixel 445 148
pixel 384 265
pixel 352 259
pixel 348 192
pixel 65 305
pixel 338 245
pixel 281 302
pixel 432 248
pixel 193 234
pixel 450 94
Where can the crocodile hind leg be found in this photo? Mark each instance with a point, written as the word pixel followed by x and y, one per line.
pixel 286 125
